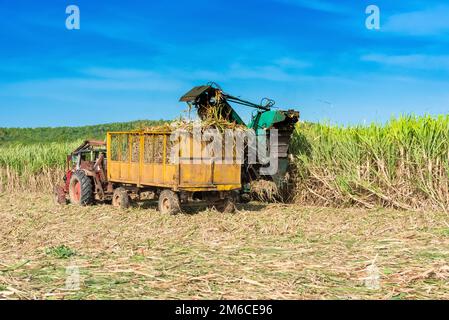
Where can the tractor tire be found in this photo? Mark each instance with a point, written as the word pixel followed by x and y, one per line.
pixel 120 198
pixel 227 205
pixel 81 189
pixel 169 202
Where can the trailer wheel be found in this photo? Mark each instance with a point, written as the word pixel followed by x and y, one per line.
pixel 245 198
pixel 226 206
pixel 169 202
pixel 81 189
pixel 120 198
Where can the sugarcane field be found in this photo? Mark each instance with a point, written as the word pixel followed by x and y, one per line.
pixel 234 164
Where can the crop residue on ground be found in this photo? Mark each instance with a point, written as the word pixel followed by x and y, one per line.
pixel 263 252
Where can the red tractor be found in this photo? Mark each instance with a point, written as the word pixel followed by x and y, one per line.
pixel 85 178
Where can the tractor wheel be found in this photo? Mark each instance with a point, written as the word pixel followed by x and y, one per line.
pixel 227 205
pixel 169 202
pixel 81 189
pixel 120 198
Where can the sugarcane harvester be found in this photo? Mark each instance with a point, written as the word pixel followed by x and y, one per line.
pixel 266 117
pixel 135 162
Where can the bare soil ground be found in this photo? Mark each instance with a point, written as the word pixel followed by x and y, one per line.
pixel 262 252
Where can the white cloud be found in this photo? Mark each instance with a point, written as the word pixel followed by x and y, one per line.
pixel 413 61
pixel 282 69
pixel 317 5
pixel 272 73
pixel 121 73
pixel 100 81
pixel 432 21
pixel 96 82
pixel 292 63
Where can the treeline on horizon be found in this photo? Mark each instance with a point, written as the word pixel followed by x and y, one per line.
pixel 69 134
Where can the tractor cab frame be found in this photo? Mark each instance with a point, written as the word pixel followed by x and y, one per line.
pixel 88 163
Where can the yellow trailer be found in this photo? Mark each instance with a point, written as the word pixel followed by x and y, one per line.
pixel 170 167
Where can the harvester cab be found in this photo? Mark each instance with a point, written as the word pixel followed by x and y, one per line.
pixel 210 100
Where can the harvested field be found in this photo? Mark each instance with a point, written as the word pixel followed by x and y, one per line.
pixel 263 252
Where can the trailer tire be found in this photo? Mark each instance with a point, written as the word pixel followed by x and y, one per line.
pixel 169 202
pixel 227 205
pixel 81 189
pixel 120 198
pixel 245 198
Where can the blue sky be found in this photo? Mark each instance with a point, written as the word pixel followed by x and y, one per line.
pixel 134 59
